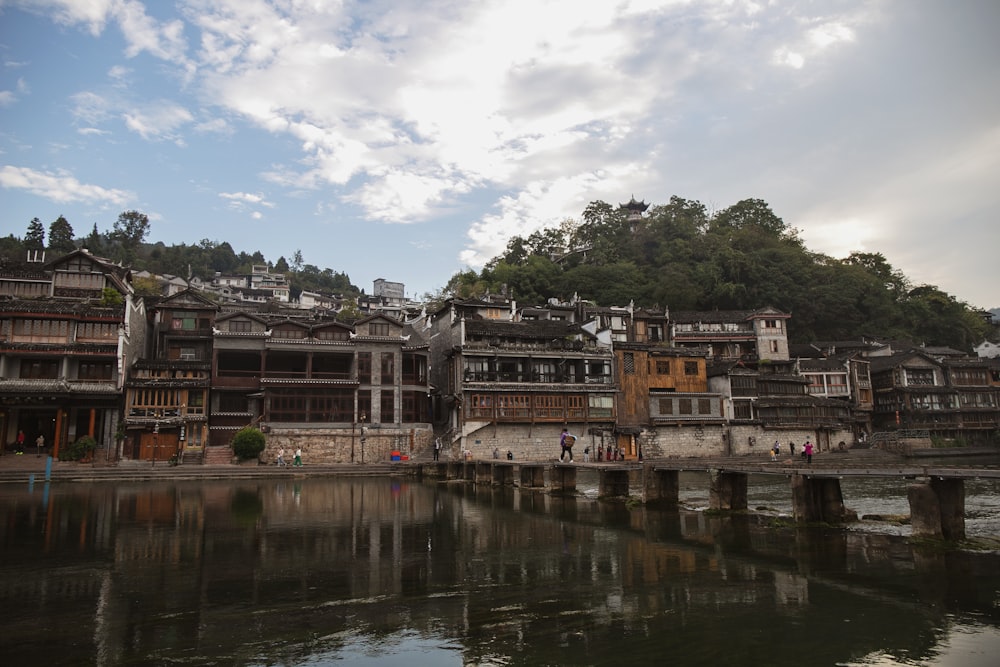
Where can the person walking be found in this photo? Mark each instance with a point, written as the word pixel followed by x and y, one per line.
pixel 791 448
pixel 566 441
pixel 808 451
pixel 775 450
pixel 281 457
pixel 39 444
pixel 298 457
pixel 437 449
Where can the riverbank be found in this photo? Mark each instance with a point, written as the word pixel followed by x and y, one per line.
pixel 27 467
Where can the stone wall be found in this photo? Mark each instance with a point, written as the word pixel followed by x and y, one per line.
pixel 335 445
pixel 541 442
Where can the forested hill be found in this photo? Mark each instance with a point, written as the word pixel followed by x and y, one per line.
pixel 744 257
pixel 126 243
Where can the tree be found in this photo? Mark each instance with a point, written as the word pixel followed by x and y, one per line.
pixel 35 237
pixel 95 242
pixel 297 261
pixel 130 230
pixel 281 266
pixel 61 236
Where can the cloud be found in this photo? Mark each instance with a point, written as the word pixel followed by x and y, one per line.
pixel 60 186
pixel 247 202
pixel 141 32
pixel 160 120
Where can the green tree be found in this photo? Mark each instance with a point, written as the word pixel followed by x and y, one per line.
pixel 61 236
pixel 34 239
pixel 95 242
pixel 130 230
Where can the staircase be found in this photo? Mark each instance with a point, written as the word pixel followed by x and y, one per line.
pixel 217 456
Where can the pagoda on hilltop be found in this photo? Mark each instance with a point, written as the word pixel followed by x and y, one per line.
pixel 635 210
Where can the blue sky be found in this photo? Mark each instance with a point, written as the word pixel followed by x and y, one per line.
pixel 410 140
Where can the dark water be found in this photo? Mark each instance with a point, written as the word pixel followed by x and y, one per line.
pixel 382 572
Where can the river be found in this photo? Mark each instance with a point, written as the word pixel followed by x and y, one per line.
pixel 386 572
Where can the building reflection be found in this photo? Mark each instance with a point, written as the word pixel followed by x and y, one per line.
pixel 229 571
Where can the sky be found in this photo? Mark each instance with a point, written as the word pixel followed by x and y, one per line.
pixel 409 140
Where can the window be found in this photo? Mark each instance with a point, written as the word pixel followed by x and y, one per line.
pixel 774 345
pixel 387 402
pixel 239 326
pixel 184 320
pixel 663 367
pixel 365 368
pixel 95 370
pixel 39 369
pixel 230 402
pixel 332 334
pixel 684 406
pixel 666 406
pixel 378 329
pixel 690 368
pixel 415 406
pixel 837 384
pixel 388 368
pixel 548 406
pixel 601 406
pixel 290 333
pixel 919 376
pixel 96 331
pixel 655 333
pixel 628 363
pixel 704 406
pixel 364 405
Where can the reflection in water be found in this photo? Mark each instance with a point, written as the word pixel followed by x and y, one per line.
pixel 390 572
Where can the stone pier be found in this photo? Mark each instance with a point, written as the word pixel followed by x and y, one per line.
pixel 819 499
pixel 727 490
pixel 503 474
pixel 532 476
pixel 612 482
pixel 563 479
pixel 660 487
pixel 937 508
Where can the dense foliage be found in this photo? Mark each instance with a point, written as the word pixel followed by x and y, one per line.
pixel 677 256
pixel 741 258
pixel 248 443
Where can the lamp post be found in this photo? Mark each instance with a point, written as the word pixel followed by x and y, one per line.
pixel 156 441
pixel 363 417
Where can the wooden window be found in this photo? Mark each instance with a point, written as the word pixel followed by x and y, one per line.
pixel 102 370
pixel 378 329
pixel 690 368
pixel 39 369
pixel 704 406
pixel 233 402
pixel 240 326
pixel 666 406
pixel 684 406
pixel 576 406
pixel 663 367
pixel 549 406
pixel 628 363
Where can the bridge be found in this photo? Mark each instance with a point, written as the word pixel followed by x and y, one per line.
pixel 936 496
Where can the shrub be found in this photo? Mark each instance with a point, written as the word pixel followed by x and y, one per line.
pixel 248 443
pixel 78 450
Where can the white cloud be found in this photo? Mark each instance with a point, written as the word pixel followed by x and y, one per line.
pixel 158 121
pixel 60 186
pixel 7 97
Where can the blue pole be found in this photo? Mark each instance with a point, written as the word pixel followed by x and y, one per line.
pixel 48 469
pixel 31 483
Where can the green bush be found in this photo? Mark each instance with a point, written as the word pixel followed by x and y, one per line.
pixel 78 450
pixel 248 443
